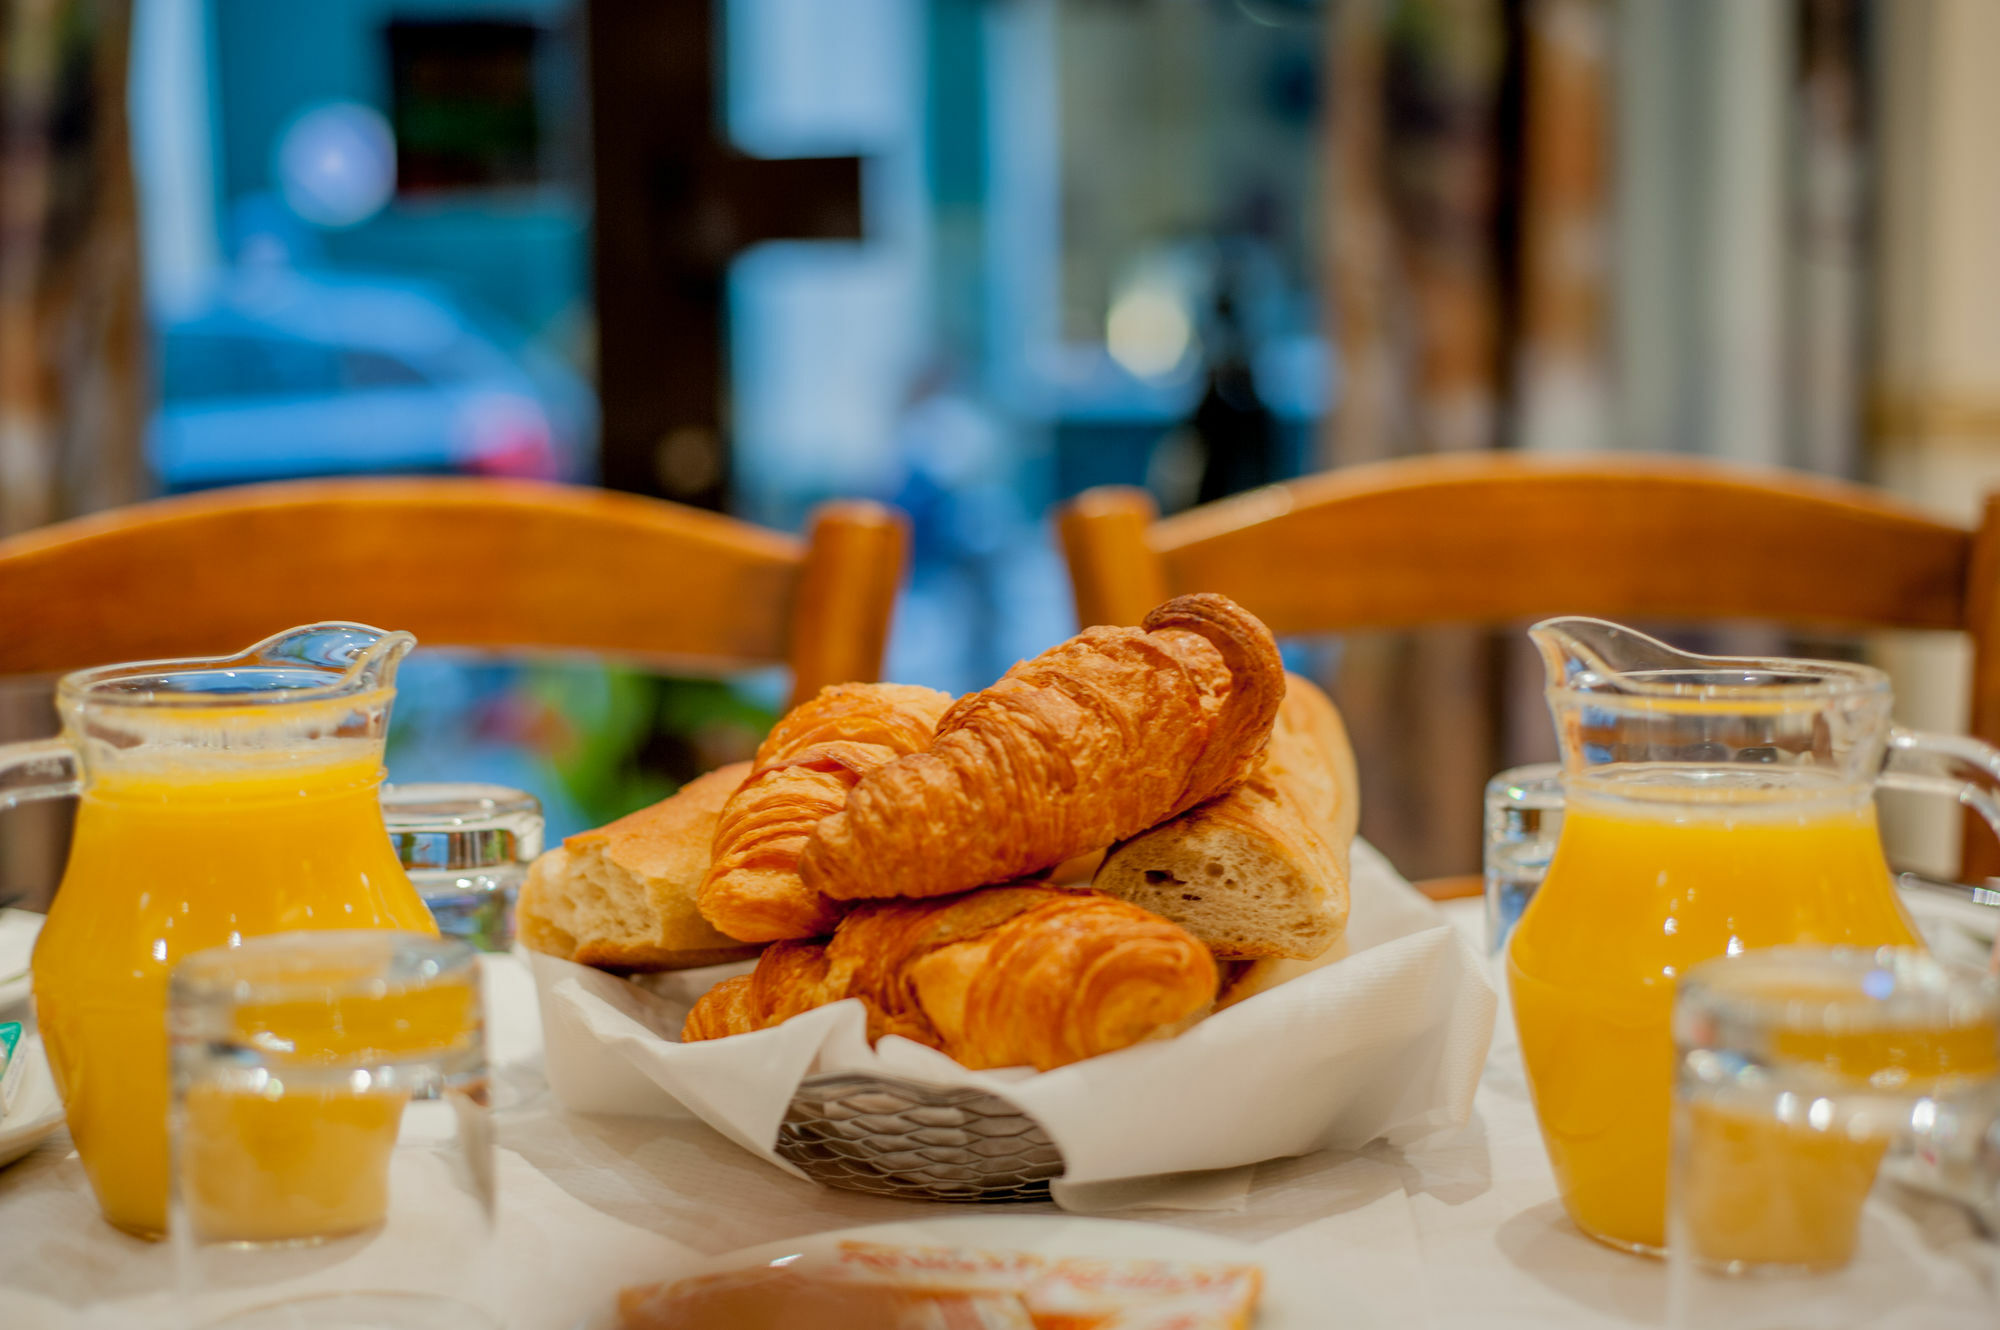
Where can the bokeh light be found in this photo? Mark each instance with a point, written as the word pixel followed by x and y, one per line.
pixel 337 164
pixel 1148 331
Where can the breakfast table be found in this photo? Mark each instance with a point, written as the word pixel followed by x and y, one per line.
pixel 1461 1229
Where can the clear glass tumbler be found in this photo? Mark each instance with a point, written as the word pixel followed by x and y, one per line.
pixel 467 849
pixel 1836 1149
pixel 332 1159
pixel 1524 814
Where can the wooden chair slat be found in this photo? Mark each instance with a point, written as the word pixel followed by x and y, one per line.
pixel 459 562
pixel 1116 575
pixel 1486 539
pixel 1462 887
pixel 839 610
pixel 1498 538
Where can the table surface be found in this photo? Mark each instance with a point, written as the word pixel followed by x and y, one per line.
pixel 1463 1230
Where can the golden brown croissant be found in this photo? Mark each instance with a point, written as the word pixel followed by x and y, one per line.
pixel 1010 975
pixel 1090 742
pixel 803 771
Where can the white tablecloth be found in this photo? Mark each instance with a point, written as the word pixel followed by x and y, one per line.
pixel 1464 1230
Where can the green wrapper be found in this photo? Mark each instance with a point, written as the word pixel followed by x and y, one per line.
pixel 12 1066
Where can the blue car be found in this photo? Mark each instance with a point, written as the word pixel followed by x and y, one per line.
pixel 283 373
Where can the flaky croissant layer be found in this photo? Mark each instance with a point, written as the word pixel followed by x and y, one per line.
pixel 803 772
pixel 1009 976
pixel 1094 740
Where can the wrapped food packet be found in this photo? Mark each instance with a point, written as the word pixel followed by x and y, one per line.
pixel 13 1067
pixel 883 1286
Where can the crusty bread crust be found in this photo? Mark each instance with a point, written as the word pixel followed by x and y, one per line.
pixel 622 897
pixel 1262 870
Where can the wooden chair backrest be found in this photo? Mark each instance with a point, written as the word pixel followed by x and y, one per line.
pixel 1491 539
pixel 458 562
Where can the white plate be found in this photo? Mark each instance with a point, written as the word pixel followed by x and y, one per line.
pixel 37 1110
pixel 18 930
pixel 1293 1298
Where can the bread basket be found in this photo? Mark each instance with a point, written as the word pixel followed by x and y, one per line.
pixel 918 1142
pixel 1386 1044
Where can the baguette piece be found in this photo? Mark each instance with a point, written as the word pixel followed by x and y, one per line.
pixel 622 897
pixel 1095 739
pixel 1002 977
pixel 1261 871
pixel 803 771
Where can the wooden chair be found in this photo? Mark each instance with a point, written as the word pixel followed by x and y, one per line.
pixel 1498 538
pixel 459 562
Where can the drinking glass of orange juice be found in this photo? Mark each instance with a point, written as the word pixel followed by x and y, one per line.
pixel 221 799
pixel 1815 1089
pixel 329 1090
pixel 1712 804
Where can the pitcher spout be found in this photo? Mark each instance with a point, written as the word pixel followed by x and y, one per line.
pixel 1599 660
pixel 1627 703
pixel 1595 655
pixel 364 659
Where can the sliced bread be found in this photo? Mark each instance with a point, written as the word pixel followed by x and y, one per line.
pixel 622 897
pixel 1260 871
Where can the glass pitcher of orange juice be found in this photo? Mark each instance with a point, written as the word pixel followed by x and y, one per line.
pixel 220 799
pixel 1713 804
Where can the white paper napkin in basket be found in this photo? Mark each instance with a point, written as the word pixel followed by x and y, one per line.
pixel 1385 1044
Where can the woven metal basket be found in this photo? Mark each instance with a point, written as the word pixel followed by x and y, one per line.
pixel 920 1142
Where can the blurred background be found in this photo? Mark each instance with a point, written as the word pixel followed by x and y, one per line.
pixel 971 257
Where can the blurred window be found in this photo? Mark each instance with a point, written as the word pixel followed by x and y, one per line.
pixel 360 370
pixel 211 366
pixel 465 110
pixel 208 366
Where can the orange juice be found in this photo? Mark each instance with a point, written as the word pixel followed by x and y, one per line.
pixel 308 1165
pixel 196 850
pixel 305 1153
pixel 1761 1192
pixel 1763 1182
pixel 1651 876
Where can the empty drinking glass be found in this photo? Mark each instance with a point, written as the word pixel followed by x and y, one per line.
pixel 467 849
pixel 1524 812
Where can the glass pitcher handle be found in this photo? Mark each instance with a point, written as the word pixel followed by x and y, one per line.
pixel 42 769
pixel 1958 767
